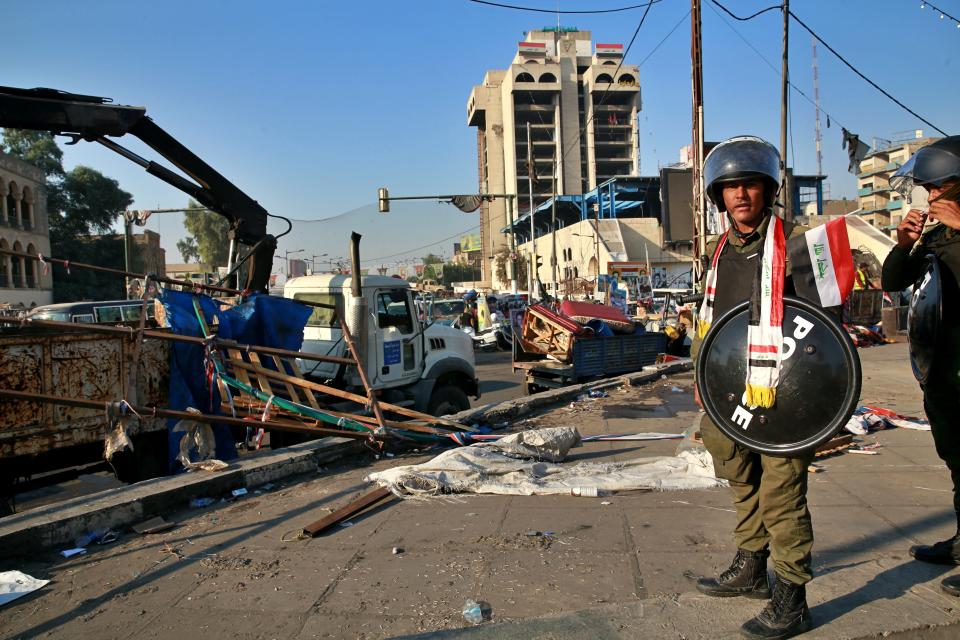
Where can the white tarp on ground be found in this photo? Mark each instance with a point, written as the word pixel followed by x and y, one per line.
pixel 14 584
pixel 483 468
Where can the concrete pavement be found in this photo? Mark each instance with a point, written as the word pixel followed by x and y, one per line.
pixel 613 570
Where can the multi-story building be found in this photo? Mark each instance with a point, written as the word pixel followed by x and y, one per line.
pixel 578 101
pixel 881 206
pixel 23 228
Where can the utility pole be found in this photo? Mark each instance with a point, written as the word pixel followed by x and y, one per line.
pixel 699 202
pixel 553 227
pixel 531 173
pixel 784 88
pixel 816 101
pixel 512 262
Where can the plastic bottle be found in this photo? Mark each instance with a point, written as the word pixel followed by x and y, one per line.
pixel 472 612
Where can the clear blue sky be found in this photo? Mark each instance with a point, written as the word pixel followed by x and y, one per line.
pixel 310 106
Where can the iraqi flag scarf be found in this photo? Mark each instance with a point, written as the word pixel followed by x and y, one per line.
pixel 764 331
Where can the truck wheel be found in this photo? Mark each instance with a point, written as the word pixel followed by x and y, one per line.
pixel 446 400
pixel 530 388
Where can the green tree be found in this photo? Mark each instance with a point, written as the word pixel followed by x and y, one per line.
pixel 188 249
pixel 430 269
pixel 208 232
pixel 39 148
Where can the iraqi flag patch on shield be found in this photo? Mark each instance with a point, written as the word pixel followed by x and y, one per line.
pixel 822 264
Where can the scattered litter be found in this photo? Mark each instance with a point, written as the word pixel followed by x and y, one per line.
pixel 236 493
pixel 599 393
pixel 650 435
pixel 869 418
pixel 815 468
pixel 267 487
pixel 533 534
pixel 863 452
pixel 388 454
pixel 199 503
pixel 346 524
pixel 476 612
pixel 14 584
pixel 99 536
pixel 676 389
pixel 153 525
pixel 606 502
pixel 703 506
pixel 929 489
pixel 397 551
pixel 69 553
pixel 584 492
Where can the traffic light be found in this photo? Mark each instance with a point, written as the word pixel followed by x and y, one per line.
pixel 383 198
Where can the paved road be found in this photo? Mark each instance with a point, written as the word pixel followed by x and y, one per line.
pixel 497 380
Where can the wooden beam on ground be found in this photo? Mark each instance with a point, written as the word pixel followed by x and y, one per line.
pixel 343 513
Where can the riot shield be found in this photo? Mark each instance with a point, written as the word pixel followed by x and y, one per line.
pixel 819 381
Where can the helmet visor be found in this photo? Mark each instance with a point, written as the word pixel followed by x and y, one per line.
pixel 930 165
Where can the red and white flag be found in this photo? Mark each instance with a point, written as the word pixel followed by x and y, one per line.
pixel 823 269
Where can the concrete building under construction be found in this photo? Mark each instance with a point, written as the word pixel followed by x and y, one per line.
pixel 580 102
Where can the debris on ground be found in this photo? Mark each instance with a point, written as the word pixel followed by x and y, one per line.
pixel 870 418
pixel 14 584
pixel 153 525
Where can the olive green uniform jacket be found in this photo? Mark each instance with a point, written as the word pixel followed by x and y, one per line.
pixel 769 493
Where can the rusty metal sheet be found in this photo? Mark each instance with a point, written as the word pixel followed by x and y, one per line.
pixel 92 366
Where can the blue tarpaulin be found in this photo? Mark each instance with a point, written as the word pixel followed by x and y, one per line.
pixel 262 320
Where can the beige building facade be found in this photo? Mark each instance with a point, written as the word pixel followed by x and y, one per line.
pixel 881 206
pixel 581 105
pixel 24 228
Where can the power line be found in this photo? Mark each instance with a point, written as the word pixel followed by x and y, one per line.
pixel 670 33
pixel 841 58
pixel 606 91
pixel 772 67
pixel 750 17
pixel 941 11
pixel 557 11
pixel 393 255
pixel 868 80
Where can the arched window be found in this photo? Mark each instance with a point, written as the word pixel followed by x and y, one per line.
pixel 16 266
pixel 531 61
pixel 26 208
pixel 627 79
pixel 548 77
pixel 575 274
pixel 11 200
pixel 609 62
pixel 604 78
pixel 31 268
pixel 524 77
pixel 4 266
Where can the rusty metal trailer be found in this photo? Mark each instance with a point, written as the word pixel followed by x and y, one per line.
pixel 37 437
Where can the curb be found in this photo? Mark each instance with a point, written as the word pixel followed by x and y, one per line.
pixel 59 524
pixel 511 409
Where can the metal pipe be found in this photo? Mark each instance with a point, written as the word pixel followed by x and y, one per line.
pixel 173 337
pixel 151 412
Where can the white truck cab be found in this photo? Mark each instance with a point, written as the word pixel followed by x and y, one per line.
pixel 427 366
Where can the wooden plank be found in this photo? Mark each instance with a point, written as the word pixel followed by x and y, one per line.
pixel 346 395
pixel 292 364
pixel 343 513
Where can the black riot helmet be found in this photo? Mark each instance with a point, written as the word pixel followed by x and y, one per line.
pixel 933 164
pixel 738 158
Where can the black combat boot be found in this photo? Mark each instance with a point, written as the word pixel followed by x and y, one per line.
pixel 951 585
pixel 747 576
pixel 943 552
pixel 785 616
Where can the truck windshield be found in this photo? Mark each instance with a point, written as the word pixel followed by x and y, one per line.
pixel 323 317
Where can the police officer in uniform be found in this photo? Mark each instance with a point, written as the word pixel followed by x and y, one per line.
pixel 937 168
pixel 770 493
